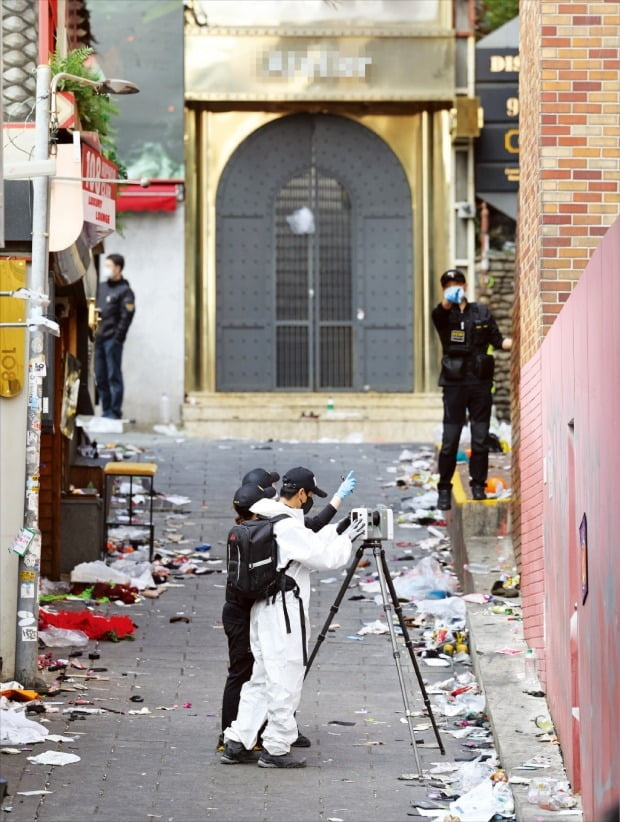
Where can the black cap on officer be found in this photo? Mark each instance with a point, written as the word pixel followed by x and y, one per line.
pixel 258 476
pixel 298 478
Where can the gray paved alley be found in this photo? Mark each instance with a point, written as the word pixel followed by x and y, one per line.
pixel 163 765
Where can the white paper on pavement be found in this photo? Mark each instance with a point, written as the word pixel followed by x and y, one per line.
pixel 54 758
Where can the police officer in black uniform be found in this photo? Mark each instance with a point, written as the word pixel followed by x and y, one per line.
pixel 466 331
pixel 116 303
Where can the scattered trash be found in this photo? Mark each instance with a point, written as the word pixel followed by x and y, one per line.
pixel 83 622
pixel 16 728
pixel 54 758
pixel 551 794
pixel 62 637
pixel 32 793
pixel 376 627
pixel 98 571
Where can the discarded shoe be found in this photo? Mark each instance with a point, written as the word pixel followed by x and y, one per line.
pixel 478 492
pixel 301 742
pixel 236 754
pixel 267 760
pixel 444 499
pixel 499 590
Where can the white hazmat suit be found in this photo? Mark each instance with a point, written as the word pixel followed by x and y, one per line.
pixel 274 690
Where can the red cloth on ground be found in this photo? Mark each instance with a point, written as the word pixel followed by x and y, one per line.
pixel 94 626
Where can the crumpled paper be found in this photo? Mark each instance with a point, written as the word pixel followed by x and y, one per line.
pixel 54 758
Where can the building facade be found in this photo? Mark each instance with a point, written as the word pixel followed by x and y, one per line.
pixel 327 146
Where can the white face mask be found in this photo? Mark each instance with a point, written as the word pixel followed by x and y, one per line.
pixel 106 272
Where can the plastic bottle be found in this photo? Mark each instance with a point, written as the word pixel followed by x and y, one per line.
pixel 530 674
pixel 164 409
pixel 330 403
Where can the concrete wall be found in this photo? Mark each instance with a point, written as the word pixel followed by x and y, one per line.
pixel 580 390
pixel 12 479
pixel 153 357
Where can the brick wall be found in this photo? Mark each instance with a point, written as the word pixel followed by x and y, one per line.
pixel 569 145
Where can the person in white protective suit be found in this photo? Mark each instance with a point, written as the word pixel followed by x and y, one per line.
pixel 274 690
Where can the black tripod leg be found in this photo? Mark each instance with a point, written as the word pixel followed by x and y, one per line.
pixel 334 608
pixel 409 645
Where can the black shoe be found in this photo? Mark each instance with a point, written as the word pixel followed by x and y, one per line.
pixel 301 742
pixel 267 760
pixel 478 492
pixel 236 754
pixel 444 499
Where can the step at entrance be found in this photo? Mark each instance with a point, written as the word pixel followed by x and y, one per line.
pixel 306 417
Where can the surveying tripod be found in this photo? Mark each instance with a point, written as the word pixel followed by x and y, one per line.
pixel 390 604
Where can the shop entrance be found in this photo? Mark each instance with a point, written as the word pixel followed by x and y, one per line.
pixel 314 261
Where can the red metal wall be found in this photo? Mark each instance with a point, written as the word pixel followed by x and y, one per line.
pixel 573 398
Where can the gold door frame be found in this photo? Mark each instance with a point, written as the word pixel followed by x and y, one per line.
pixel 422 143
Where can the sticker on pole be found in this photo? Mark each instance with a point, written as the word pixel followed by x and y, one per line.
pixel 23 541
pixel 30 634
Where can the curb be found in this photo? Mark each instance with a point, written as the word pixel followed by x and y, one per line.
pixel 511 712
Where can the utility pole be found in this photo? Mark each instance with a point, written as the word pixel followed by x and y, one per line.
pixel 26 645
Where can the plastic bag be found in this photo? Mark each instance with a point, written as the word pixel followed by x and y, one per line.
pixel 98 571
pixel 504 800
pixel 473 773
pixel 63 637
pixel 16 729
pixel 449 611
pixel 427 575
pixel 139 572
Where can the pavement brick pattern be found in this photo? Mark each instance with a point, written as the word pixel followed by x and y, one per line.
pixel 163 765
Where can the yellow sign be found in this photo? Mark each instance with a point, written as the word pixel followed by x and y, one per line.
pixel 12 340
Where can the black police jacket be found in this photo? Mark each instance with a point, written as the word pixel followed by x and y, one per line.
pixel 116 303
pixel 465 337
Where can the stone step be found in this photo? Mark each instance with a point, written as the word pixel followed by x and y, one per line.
pixel 356 417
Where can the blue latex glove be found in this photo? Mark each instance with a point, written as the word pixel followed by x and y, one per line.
pixel 347 486
pixel 454 294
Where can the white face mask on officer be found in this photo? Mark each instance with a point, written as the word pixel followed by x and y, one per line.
pixel 107 271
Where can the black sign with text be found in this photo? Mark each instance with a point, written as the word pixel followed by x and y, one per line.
pixel 497 148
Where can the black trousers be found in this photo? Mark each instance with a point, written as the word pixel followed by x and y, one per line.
pixel 458 400
pixel 236 623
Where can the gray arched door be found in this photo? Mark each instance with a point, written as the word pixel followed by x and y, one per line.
pixel 314 261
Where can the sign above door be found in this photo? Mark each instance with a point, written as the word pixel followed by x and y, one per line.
pixel 247 66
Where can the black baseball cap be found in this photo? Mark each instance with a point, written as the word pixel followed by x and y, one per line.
pixel 260 477
pixel 249 493
pixel 452 275
pixel 298 478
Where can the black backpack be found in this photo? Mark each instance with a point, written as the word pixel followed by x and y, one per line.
pixel 252 558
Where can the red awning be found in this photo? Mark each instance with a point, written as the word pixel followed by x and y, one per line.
pixel 159 196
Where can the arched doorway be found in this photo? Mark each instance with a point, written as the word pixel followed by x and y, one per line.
pixel 314 261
